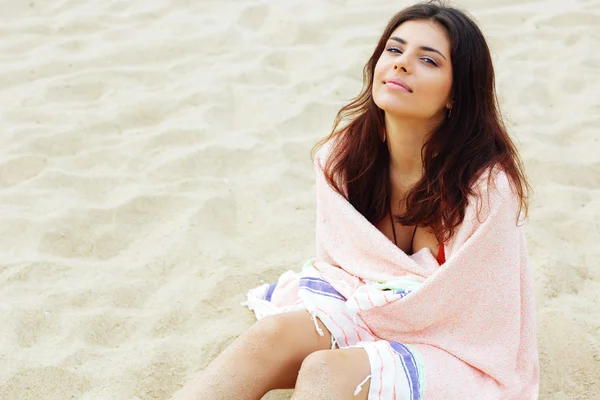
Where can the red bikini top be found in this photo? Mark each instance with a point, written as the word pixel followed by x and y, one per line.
pixel 441 256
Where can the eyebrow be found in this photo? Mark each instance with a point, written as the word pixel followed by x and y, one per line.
pixel 426 48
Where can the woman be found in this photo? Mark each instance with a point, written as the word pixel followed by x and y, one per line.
pixel 420 286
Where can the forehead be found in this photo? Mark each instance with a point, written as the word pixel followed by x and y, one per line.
pixel 423 33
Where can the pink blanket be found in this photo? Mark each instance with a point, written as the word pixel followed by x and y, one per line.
pixel 470 321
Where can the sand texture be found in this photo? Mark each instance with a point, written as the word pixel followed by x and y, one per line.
pixel 154 165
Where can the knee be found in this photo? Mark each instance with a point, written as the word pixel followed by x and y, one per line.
pixel 288 337
pixel 319 365
pixel 271 331
pixel 317 377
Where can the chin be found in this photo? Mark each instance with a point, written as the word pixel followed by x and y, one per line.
pixel 396 110
pixel 392 105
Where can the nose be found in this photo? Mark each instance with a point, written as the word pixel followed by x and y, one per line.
pixel 401 63
pixel 400 66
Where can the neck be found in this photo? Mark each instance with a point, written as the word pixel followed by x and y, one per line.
pixel 405 140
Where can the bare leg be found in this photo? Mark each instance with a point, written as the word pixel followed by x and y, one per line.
pixel 333 375
pixel 268 356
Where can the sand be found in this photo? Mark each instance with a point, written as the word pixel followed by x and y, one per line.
pixel 154 165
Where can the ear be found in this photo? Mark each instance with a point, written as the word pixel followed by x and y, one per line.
pixel 450 102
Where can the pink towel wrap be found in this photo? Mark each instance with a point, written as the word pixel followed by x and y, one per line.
pixel 462 330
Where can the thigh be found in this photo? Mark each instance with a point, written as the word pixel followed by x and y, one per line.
pixel 266 357
pixel 287 339
pixel 375 370
pixel 334 374
pixel 298 331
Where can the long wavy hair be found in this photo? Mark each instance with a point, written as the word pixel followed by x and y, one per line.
pixel 455 154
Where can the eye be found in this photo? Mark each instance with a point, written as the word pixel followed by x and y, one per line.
pixel 429 61
pixel 394 50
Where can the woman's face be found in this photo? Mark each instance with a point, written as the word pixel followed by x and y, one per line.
pixel 413 76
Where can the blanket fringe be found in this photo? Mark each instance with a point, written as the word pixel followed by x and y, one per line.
pixel 313 314
pixel 360 385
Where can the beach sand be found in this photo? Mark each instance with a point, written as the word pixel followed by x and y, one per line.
pixel 154 165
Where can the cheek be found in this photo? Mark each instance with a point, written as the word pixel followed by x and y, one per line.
pixel 378 72
pixel 439 87
pixel 445 84
pixel 377 79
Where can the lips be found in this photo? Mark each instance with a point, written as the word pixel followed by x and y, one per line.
pixel 398 84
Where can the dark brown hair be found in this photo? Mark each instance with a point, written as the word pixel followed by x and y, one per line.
pixel 473 140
